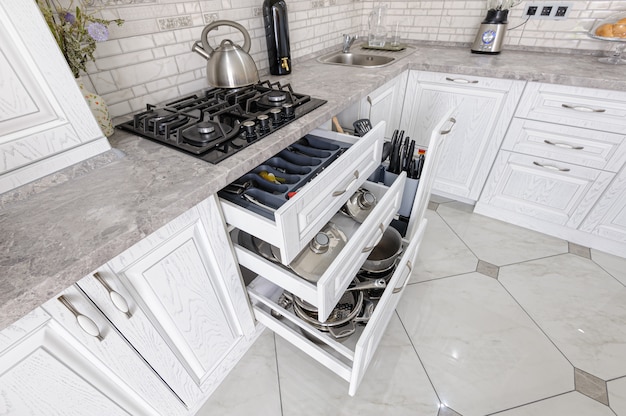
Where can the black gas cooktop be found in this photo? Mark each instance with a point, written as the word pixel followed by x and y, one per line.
pixel 219 122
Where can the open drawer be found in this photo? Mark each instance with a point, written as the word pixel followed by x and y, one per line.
pixel 326 292
pixel 351 358
pixel 300 218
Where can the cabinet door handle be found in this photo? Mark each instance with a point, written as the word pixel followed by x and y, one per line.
pixel 116 298
pixel 85 323
pixel 381 228
pixel 452 120
pixel 583 108
pixel 356 177
pixel 551 167
pixel 462 80
pixel 566 145
pixel 399 288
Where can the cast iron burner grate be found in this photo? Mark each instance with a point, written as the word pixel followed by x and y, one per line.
pixel 217 123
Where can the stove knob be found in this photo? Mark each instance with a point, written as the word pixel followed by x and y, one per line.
pixel 276 114
pixel 249 127
pixel 264 122
pixel 288 111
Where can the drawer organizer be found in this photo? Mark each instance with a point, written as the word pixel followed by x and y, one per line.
pixel 271 184
pixel 289 215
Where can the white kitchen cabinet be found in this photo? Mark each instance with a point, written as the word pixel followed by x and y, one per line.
pixel 485 107
pixel 348 359
pixel 191 319
pixel 45 123
pixel 559 168
pixel 607 219
pixel 382 104
pixel 50 366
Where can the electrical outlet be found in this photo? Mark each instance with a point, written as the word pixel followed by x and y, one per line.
pixel 532 9
pixel 548 10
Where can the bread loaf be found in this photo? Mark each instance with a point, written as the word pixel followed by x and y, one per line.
pixel 605 30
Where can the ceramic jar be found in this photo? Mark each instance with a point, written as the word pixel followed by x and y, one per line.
pixel 98 108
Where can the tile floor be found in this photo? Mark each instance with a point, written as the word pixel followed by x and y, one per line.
pixel 496 320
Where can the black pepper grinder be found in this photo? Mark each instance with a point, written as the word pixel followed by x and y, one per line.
pixel 277 36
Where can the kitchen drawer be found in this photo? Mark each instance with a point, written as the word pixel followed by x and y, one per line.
pixel 596 109
pixel 469 81
pixel 544 189
pixel 584 147
pixel 297 221
pixel 351 358
pixel 326 292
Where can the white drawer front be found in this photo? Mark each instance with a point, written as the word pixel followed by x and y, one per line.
pixel 582 107
pixel 328 290
pixel 519 184
pixel 584 147
pixel 298 220
pixel 348 363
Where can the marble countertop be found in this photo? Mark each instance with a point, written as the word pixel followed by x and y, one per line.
pixel 53 238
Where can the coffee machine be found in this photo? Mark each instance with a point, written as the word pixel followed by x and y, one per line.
pixel 491 31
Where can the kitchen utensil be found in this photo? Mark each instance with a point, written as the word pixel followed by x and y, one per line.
pixel 321 251
pixel 386 151
pixel 385 252
pixel 372 284
pixel 337 125
pixel 362 126
pixel 360 204
pixel 228 65
pixel 341 321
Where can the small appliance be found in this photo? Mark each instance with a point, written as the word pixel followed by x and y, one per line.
pixel 491 32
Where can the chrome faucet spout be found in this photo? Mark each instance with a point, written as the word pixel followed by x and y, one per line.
pixel 348 40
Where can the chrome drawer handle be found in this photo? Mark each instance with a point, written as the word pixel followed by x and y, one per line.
pixel 461 80
pixel 583 108
pixel 118 300
pixel 85 323
pixel 551 167
pixel 381 228
pixel 399 288
pixel 356 177
pixel 565 145
pixel 452 120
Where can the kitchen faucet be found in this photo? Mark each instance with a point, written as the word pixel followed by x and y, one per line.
pixel 347 42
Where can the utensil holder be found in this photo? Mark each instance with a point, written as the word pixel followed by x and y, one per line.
pixel 408 196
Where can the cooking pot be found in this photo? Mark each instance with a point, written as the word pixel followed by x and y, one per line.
pixel 341 322
pixel 385 253
pixel 228 65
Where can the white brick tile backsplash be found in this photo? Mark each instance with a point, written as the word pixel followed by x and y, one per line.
pixel 149 58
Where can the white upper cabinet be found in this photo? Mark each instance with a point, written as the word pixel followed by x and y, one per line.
pixel 45 123
pixel 484 106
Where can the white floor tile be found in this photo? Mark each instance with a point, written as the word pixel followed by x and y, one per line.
pixel 395 384
pixel 579 306
pixel 481 351
pixel 442 253
pixel 617 396
pixel 570 404
pixel 497 242
pixel 616 266
pixel 251 388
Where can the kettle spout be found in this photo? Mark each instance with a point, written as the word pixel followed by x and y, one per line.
pixel 197 47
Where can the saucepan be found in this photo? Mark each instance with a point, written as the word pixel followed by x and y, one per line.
pixel 385 253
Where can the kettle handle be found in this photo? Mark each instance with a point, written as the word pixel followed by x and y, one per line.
pixel 205 43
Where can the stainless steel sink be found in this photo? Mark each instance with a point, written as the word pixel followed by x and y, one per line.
pixel 356 59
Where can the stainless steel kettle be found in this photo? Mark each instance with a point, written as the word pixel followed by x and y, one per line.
pixel 228 65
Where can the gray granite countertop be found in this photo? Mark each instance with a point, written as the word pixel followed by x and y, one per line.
pixel 53 238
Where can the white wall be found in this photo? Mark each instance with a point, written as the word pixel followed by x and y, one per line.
pixel 148 59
